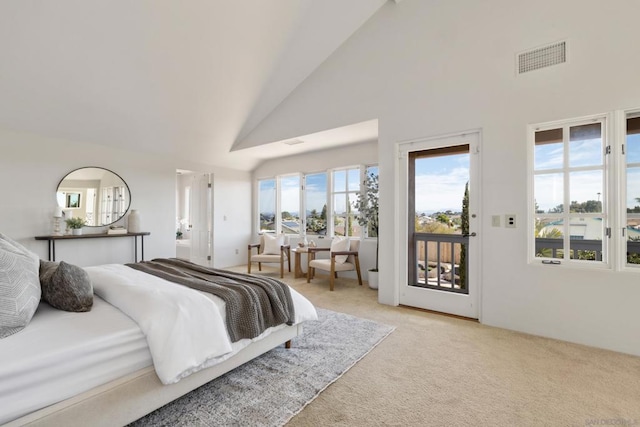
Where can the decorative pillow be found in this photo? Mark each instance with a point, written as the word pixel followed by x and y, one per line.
pixel 19 286
pixel 65 286
pixel 339 244
pixel 272 244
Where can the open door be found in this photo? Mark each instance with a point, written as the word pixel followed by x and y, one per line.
pixel 442 258
pixel 201 219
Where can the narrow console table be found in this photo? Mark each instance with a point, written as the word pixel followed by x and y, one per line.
pixel 52 241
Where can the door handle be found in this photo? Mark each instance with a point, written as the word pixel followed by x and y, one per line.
pixel 470 234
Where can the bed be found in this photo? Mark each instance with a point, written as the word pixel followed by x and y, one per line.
pixel 145 342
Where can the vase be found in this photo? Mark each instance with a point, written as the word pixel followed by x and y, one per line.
pixel 373 279
pixel 76 231
pixel 133 222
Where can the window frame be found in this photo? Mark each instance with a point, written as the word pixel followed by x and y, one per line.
pixel 621 229
pixel 329 198
pixel 610 192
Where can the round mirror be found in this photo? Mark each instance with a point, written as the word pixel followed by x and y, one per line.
pixel 97 195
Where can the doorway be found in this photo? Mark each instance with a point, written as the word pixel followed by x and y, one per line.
pixel 440 233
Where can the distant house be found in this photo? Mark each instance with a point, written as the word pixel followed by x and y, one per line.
pixel 586 229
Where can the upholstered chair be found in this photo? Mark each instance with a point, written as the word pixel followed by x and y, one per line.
pixel 271 249
pixel 343 256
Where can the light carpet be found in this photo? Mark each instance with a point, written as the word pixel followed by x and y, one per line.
pixel 271 389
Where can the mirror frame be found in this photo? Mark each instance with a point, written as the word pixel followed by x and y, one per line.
pixel 79 201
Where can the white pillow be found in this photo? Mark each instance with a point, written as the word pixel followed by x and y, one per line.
pixel 340 244
pixel 272 244
pixel 19 286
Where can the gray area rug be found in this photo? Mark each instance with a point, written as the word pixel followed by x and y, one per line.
pixel 271 389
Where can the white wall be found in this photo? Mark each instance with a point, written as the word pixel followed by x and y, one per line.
pixel 444 66
pixel 318 161
pixel 32 165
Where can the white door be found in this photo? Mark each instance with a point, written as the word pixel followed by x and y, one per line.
pixel 439 179
pixel 201 219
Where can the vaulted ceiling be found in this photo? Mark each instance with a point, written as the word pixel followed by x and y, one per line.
pixel 186 78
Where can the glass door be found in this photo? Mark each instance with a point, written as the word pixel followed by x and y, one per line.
pixel 441 226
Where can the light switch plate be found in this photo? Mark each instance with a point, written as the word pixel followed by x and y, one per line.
pixel 495 220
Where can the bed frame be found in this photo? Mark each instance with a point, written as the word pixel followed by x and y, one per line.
pixel 125 400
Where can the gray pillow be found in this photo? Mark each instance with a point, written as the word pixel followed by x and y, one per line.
pixel 19 286
pixel 66 286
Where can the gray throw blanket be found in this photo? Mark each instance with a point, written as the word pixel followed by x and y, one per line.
pixel 253 303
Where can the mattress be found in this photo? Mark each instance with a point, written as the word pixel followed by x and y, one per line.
pixel 61 354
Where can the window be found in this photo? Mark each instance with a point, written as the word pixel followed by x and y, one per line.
pixel 370 171
pixel 290 218
pixel 569 171
pixel 346 186
pixel 321 203
pixel 631 206
pixel 315 191
pixel 267 205
pixel 571 220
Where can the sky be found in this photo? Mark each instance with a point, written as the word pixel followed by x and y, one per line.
pixel 440 183
pixel 583 185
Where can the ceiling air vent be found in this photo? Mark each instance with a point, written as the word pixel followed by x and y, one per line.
pixel 542 57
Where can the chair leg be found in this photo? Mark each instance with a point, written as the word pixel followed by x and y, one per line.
pixel 259 266
pixel 333 275
pixel 281 267
pixel 249 268
pixel 358 269
pixel 310 257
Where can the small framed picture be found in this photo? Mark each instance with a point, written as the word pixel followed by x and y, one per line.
pixel 72 200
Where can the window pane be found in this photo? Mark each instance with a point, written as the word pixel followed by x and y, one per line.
pixel 549 234
pixel 633 190
pixel 316 203
pixel 267 204
pixel 633 148
pixel 548 149
pixel 585 191
pixel 354 179
pixel 549 192
pixel 339 214
pixel 354 228
pixel 585 146
pixel 339 180
pixel 586 238
pixel 290 204
pixel 633 216
pixel 371 170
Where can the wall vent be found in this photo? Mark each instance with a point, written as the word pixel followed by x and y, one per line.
pixel 542 57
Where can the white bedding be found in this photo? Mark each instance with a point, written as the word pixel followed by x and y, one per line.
pixel 62 354
pixel 185 329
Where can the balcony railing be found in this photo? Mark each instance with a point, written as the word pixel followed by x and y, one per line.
pixel 438 258
pixel 595 246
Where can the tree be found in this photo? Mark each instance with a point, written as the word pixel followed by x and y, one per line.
pixel 464 227
pixel 443 218
pixel 367 206
pixel 323 215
